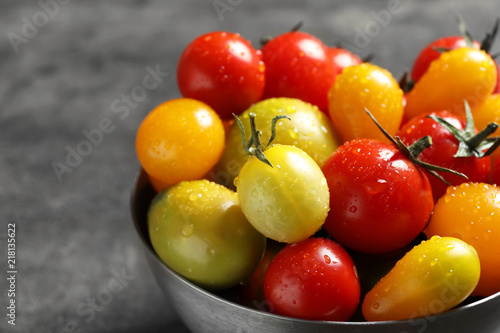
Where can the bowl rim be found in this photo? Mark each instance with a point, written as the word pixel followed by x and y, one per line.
pixel 141 175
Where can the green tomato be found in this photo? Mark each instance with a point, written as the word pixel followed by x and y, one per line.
pixel 288 202
pixel 433 277
pixel 309 129
pixel 198 229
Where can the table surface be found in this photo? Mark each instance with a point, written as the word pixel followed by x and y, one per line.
pixel 71 79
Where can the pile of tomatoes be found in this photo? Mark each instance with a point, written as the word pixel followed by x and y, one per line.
pixel 318 184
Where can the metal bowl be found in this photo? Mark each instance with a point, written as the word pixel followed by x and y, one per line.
pixel 206 312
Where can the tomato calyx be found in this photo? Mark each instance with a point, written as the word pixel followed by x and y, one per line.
pixel 471 144
pixel 253 146
pixel 413 152
pixel 266 38
pixel 488 40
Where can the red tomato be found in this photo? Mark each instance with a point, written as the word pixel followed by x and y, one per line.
pixel 298 66
pixel 431 52
pixel 442 151
pixel 223 70
pixel 379 200
pixel 495 177
pixel 315 279
pixel 342 58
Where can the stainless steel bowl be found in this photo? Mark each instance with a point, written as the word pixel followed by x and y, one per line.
pixel 206 312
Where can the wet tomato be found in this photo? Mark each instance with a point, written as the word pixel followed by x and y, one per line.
pixel 309 129
pixel 365 86
pixel 462 74
pixel 198 229
pixel 314 279
pixel 181 139
pixel 223 70
pixel 433 277
pixel 287 202
pixel 298 66
pixel 471 212
pixel 443 150
pixel 379 200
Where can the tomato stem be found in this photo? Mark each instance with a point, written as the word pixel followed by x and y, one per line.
pixel 469 143
pixel 254 147
pixel 413 152
pixel 488 40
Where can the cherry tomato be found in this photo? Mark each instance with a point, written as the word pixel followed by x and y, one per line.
pixel 298 66
pixel 365 86
pixel 495 177
pixel 379 200
pixel 433 277
pixel 443 149
pixel 198 229
pixel 471 212
pixel 488 112
pixel 431 52
pixel 342 58
pixel 458 75
pixel 314 279
pixel 287 202
pixel 180 139
pixel 223 70
pixel 309 129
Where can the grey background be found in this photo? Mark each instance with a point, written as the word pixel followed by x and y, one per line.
pixel 75 233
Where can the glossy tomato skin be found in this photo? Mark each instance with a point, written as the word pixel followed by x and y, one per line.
pixel 298 66
pixel 181 139
pixel 495 177
pixel 342 58
pixel 287 202
pixel 471 212
pixel 488 112
pixel 457 75
pixel 431 52
pixel 198 229
pixel 223 70
pixel 433 277
pixel 309 129
pixel 379 200
pixel 442 151
pixel 315 279
pixel 365 86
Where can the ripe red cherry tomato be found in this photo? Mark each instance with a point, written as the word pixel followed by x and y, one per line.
pixel 495 177
pixel 314 279
pixel 379 200
pixel 298 66
pixel 442 151
pixel 222 70
pixel 342 58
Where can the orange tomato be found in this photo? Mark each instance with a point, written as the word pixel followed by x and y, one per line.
pixel 365 86
pixel 181 139
pixel 461 74
pixel 471 212
pixel 487 112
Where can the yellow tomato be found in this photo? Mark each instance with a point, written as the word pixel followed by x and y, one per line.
pixel 433 277
pixel 365 86
pixel 471 212
pixel 461 74
pixel 181 139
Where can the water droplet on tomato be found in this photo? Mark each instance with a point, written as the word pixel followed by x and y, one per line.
pixel 376 305
pixel 187 230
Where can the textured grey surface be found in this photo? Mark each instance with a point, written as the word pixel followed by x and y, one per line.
pixel 74 233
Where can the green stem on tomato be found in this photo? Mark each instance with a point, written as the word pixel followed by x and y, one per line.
pixel 253 146
pixel 413 152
